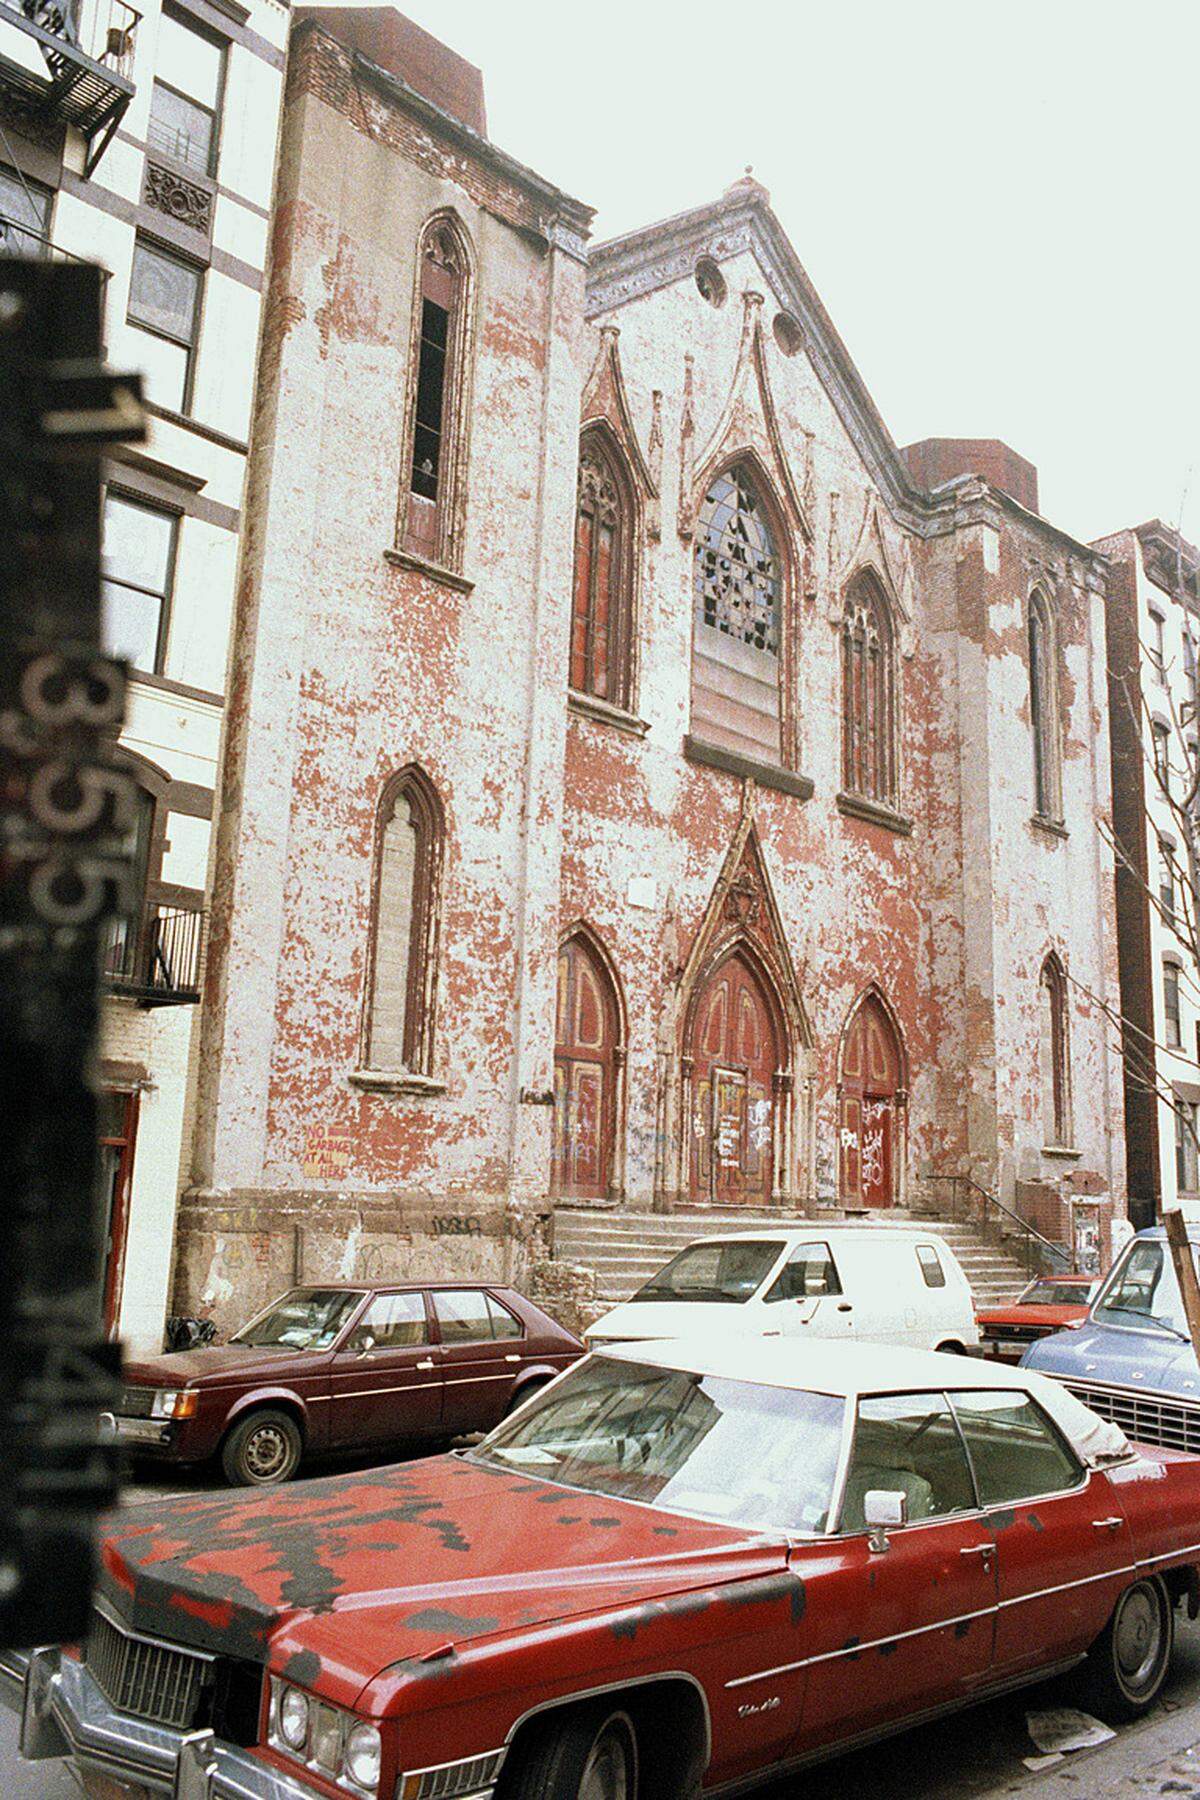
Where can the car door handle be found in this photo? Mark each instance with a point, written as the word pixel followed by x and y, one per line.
pixel 1114 1524
pixel 845 1306
pixel 985 1550
pixel 425 1365
pixel 512 1357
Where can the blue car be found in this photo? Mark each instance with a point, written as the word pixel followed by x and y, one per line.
pixel 1132 1360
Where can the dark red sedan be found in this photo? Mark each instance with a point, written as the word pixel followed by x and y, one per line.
pixel 343 1367
pixel 1050 1303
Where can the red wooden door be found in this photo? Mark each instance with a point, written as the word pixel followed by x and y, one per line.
pixel 734 1059
pixel 584 1073
pixel 867 1108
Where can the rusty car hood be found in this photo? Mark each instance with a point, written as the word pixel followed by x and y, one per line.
pixel 1033 1313
pixel 352 1573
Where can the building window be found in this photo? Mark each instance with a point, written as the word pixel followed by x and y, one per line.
pixel 868 689
pixel 164 310
pixel 1171 1005
pixel 1185 1145
pixel 400 1022
pixel 1160 737
pixel 185 101
pixel 1055 1060
pixel 435 447
pixel 1157 648
pixel 24 215
pixel 139 570
pixel 738 581
pixel 1166 878
pixel 601 611
pixel 1043 706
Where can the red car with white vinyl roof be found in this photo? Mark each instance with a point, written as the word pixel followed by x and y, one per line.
pixel 679 1568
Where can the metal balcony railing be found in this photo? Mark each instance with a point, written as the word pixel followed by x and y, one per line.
pixel 87 83
pixel 155 959
pixel 19 239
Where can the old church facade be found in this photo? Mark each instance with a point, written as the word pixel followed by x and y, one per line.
pixel 644 784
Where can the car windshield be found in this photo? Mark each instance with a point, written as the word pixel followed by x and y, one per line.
pixel 729 1271
pixel 1055 1293
pixel 1143 1290
pixel 305 1319
pixel 737 1451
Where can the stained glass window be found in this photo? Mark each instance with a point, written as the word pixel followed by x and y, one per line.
pixel 737 570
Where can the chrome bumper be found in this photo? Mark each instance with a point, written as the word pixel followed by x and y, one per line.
pixel 63 1713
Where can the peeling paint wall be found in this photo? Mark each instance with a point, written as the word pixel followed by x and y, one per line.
pixel 350 665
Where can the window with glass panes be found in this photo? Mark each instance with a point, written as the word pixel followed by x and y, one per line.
pixel 185 101
pixel 1185 1145
pixel 1171 1004
pixel 139 567
pixel 164 309
pixel 24 215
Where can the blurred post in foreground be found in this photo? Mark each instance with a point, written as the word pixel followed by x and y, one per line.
pixel 64 831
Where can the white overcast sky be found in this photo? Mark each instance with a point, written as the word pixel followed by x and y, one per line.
pixel 997 204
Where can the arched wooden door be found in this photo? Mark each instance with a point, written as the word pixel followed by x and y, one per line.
pixel 585 1073
pixel 870 1109
pixel 734 1055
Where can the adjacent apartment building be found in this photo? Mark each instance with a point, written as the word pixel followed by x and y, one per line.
pixel 646 785
pixel 143 138
pixel 1153 637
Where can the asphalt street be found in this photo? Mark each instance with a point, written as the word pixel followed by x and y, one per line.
pixel 974 1755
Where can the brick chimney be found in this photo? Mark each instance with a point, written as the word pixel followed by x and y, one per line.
pixel 423 63
pixel 936 460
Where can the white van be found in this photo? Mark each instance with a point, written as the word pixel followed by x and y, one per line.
pixel 882 1284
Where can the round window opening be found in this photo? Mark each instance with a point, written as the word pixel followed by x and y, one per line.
pixel 788 334
pixel 710 281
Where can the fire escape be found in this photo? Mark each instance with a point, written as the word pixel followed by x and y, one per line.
pixel 67 81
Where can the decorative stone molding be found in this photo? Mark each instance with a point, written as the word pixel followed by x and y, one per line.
pixel 180 199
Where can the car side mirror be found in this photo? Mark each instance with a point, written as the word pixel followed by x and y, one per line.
pixel 884 1510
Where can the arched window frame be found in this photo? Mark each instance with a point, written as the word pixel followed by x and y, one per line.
pixel 1053 981
pixel 870 734
pixel 1042 645
pixel 599 450
pixel 412 786
pixel 432 531
pixel 775 521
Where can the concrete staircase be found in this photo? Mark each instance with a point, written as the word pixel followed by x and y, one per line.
pixel 626 1248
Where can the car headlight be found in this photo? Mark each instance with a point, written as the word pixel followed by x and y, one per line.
pixel 327 1738
pixel 292 1718
pixel 364 1757
pixel 174 1403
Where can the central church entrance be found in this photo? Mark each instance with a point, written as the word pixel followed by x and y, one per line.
pixel 734 1053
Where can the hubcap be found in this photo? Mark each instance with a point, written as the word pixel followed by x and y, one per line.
pixel 1138 1637
pixel 266 1452
pixel 606 1774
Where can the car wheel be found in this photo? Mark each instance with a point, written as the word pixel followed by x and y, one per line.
pixel 521 1396
pixel 1128 1663
pixel 952 1348
pixel 262 1448
pixel 588 1755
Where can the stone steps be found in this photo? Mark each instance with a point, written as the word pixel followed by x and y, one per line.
pixel 626 1248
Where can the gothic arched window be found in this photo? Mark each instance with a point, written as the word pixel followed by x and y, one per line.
pixel 1043 709
pixel 435 448
pixel 1055 1054
pixel 738 581
pixel 868 694
pixel 403 972
pixel 602 602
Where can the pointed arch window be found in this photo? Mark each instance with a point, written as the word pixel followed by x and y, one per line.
pixel 1043 709
pixel 868 694
pixel 1055 1054
pixel 738 584
pixel 430 510
pixel 602 600
pixel 399 1032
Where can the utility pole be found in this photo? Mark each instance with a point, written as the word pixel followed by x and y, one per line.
pixel 65 823
pixel 1185 1272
